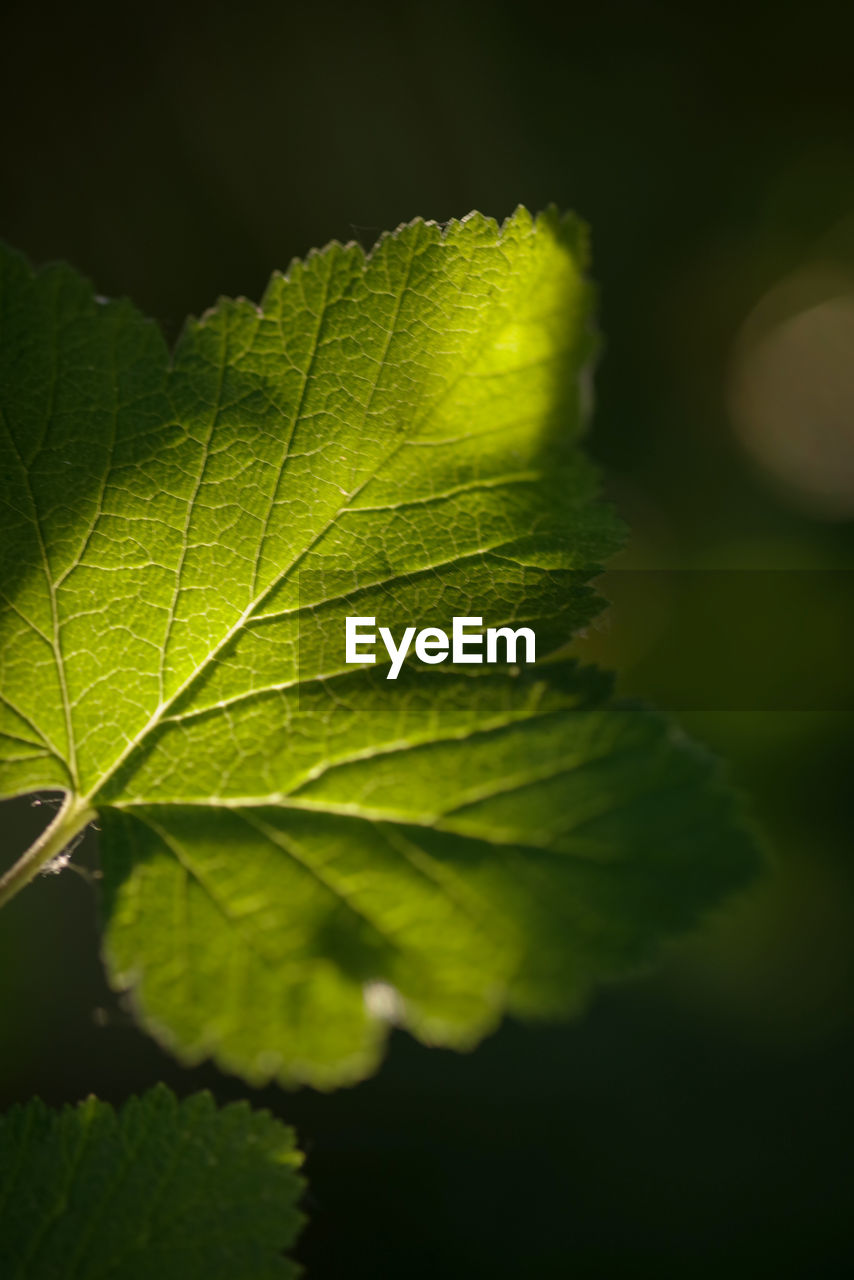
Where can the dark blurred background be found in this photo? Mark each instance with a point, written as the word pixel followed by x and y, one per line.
pixel 698 1120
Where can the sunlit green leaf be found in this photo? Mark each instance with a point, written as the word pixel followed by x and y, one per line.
pixel 297 852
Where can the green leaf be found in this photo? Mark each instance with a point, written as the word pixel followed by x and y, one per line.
pixel 296 852
pixel 162 1188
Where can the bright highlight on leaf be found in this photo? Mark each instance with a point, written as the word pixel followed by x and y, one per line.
pixel 161 1189
pixel 286 836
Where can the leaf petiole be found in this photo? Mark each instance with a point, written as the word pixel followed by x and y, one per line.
pixel 72 818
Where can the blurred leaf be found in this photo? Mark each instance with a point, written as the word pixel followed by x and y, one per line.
pixel 161 1188
pixel 297 852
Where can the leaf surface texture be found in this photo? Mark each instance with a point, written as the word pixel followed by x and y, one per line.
pixel 160 1188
